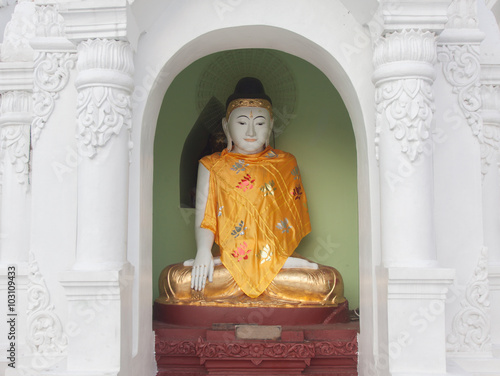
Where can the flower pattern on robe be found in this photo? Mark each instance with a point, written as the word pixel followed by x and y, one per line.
pixel 265 254
pixel 296 192
pixel 239 166
pixel 241 253
pixel 296 173
pixel 283 225
pixel 239 230
pixel 246 183
pixel 268 188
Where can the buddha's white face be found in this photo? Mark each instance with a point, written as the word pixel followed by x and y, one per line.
pixel 249 128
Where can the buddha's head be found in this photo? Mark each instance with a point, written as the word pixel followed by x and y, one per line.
pixel 248 122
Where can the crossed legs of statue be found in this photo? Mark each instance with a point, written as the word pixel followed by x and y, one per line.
pixel 293 286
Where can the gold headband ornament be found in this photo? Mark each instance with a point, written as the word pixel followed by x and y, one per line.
pixel 242 102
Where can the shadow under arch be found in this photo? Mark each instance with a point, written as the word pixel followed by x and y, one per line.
pixel 358 106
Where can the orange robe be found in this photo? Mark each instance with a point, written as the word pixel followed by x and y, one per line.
pixel 257 209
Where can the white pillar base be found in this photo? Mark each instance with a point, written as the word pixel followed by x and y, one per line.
pixel 416 305
pixel 473 366
pixel 99 328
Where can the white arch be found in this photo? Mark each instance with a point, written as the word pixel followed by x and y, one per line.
pixel 328 42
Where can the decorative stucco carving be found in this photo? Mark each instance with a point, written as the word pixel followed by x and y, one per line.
pixel 471 324
pixel 407 46
pixel 461 68
pixel 462 14
pixel 18 32
pixel 104 86
pixel 51 69
pixel 14 135
pixel 45 334
pixel 51 74
pixel 48 22
pixel 404 102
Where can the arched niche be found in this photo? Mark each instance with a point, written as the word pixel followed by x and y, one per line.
pixel 318 132
pixel 156 69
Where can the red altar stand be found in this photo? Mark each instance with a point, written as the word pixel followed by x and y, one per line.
pixel 255 341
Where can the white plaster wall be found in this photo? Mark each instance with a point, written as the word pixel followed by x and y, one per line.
pixel 323 33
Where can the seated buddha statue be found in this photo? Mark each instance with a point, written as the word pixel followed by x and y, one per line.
pixel 250 200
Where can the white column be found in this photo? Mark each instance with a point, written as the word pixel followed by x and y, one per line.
pixel 404 58
pixel 100 280
pixel 403 78
pixel 490 152
pixel 104 85
pixel 15 120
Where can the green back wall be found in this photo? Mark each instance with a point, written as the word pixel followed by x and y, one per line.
pixel 321 138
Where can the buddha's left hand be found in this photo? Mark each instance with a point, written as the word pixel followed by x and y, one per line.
pixel 203 268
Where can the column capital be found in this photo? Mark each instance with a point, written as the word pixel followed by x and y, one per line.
pixel 95 19
pixel 404 54
pixel 403 77
pixel 105 62
pixel 104 85
pixel 16 76
pixel 414 14
pixel 16 108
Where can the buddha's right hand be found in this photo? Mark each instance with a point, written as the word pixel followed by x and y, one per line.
pixel 203 267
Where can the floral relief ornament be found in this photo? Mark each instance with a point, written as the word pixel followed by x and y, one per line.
pixel 102 113
pixel 462 14
pixel 15 141
pixel 471 324
pixel 461 68
pixel 406 106
pixel 45 333
pixel 104 85
pixel 51 75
